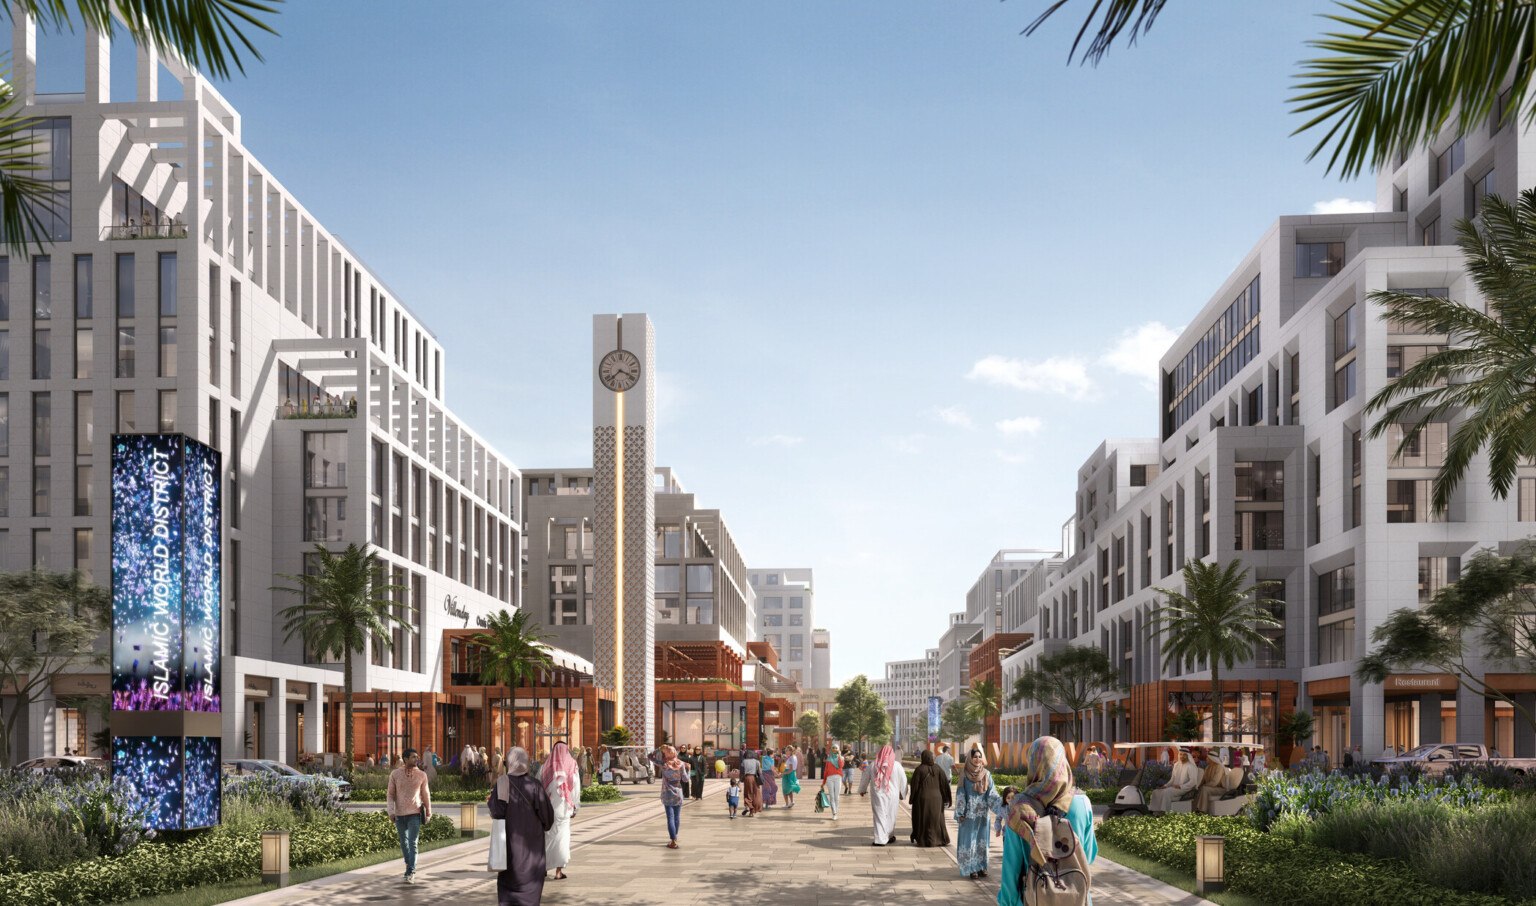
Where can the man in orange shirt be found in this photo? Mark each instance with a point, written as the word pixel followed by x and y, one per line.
pixel 409 802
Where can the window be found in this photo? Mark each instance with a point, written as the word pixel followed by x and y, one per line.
pixel 42 490
pixel 773 578
pixel 167 284
pixel 85 352
pixel 772 603
pixel 85 490
pixel 5 289
pixel 796 602
pixel 797 619
pixel 5 491
pixel 1423 449
pixel 1400 201
pixel 5 355
pixel 1273 654
pixel 701 611
pixel 85 303
pixel 1402 358
pixel 1527 500
pixel 1344 341
pixel 1500 111
pixel 125 419
pixel 168 352
pixel 42 424
pixel 1429 233
pixel 1319 259
pixel 669 541
pixel 1336 615
pixel 1141 476
pixel 125 352
pixel 42 357
pixel 1259 506
pixel 1336 591
pixel 1409 501
pixel 42 288
pixel 1336 641
pixel 167 411
pixel 325 459
pixel 1355 454
pixel 1435 573
pixel 1482 187
pixel 125 286
pixel 1449 161
pixel 701 579
pixel 1205 515
pixel 669 578
pixel 1255 407
pixel 562 580
pixel 42 548
pixel 1295 388
pixel 85 423
pixel 325 518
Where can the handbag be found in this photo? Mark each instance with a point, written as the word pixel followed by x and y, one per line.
pixel 497 859
pixel 823 801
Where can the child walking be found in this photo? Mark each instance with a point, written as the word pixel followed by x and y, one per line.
pixel 733 796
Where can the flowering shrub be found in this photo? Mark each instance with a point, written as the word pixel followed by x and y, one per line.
pixel 1309 794
pixel 309 797
pixel 77 811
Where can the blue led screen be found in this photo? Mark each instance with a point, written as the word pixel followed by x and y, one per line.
pixel 146 572
pixel 201 791
pixel 152 766
pixel 202 586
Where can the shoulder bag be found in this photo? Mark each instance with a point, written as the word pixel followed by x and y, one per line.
pixel 497 859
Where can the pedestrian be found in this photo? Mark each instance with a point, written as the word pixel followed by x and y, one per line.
pixel 1260 762
pixel 1359 756
pixel 1047 785
pixel 700 766
pixel 467 759
pixel 1183 779
pixel 519 800
pixel 562 784
pixel 946 763
pixel 409 802
pixel 976 803
pixel 751 783
pixel 733 797
pixel 674 784
pixel 832 779
pixel 497 766
pixel 430 762
pixel 929 798
pixel 770 780
pixel 885 785
pixel 791 777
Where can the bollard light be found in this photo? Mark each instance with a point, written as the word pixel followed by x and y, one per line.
pixel 274 857
pixel 1210 856
pixel 467 817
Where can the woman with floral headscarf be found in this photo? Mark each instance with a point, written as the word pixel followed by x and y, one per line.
pixel 975 802
pixel 523 804
pixel 674 781
pixel 770 779
pixel 561 779
pixel 886 784
pixel 1048 784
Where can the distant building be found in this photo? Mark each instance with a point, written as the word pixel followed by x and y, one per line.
pixel 905 689
pixel 786 614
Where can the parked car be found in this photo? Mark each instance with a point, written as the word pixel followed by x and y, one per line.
pixel 243 767
pixel 63 762
pixel 1434 758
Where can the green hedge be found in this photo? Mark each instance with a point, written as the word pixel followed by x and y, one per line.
pixel 601 792
pixel 437 795
pixel 1281 872
pixel 207 858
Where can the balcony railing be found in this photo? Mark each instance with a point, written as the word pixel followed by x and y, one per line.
pixel 145 231
pixel 320 408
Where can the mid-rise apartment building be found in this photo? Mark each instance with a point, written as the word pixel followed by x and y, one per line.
pixel 1261 456
pixel 905 689
pixel 786 617
pixel 185 289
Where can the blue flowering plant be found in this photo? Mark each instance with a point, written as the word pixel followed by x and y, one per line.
pixel 1309 794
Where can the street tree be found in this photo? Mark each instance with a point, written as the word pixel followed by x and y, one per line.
pixel 50 623
pixel 1215 619
pixel 212 35
pixel 1489 612
pixel 1392 73
pixel 1071 681
pixel 809 725
pixel 344 605
pixel 1485 379
pixel 859 713
pixel 985 700
pixel 958 723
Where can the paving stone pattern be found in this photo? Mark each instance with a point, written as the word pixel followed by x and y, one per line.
pixel 792 856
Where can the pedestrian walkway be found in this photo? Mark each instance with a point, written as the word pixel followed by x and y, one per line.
pixel 619 856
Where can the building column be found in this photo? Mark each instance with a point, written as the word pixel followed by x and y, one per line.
pixel 1367 717
pixel 1471 716
pixel 1525 734
pixel 23 55
pixel 314 719
pixel 148 74
pixel 1429 718
pixel 275 719
pixel 98 67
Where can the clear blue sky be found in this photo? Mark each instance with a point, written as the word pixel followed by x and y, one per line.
pixel 907 267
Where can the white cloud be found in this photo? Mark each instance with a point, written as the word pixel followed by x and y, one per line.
pixel 1343 206
pixel 779 440
pixel 954 415
pixel 908 443
pixel 1026 424
pixel 1137 351
pixel 1066 375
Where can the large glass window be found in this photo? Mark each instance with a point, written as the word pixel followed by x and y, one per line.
pixel 562 580
pixel 125 352
pixel 5 424
pixel 325 459
pixel 42 355
pixel 1402 358
pixel 1409 501
pixel 125 415
pixel 1336 615
pixel 42 287
pixel 85 490
pixel 701 610
pixel 42 424
pixel 1447 162
pixel 167 411
pixel 1435 573
pixel 669 578
pixel 167 284
pixel 85 423
pixel 5 355
pixel 1424 449
pixel 669 541
pixel 85 352
pixel 85 302
pixel 168 352
pixel 701 578
pixel 325 518
pixel 1273 654
pixel 51 145
pixel 1228 345
pixel 125 286
pixel 1481 188
pixel 1319 259
pixel 42 490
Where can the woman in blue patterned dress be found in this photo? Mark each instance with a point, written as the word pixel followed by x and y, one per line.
pixel 770 783
pixel 976 802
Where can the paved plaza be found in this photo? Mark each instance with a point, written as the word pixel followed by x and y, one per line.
pixel 785 855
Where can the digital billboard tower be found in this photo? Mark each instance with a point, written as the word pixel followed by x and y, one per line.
pixel 167 600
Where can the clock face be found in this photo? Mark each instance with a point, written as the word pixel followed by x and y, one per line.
pixel 619 370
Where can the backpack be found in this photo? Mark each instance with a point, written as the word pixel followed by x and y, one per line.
pixel 1057 871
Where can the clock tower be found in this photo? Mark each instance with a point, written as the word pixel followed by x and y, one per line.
pixel 624 498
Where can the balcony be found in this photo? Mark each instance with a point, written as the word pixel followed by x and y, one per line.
pixel 332 407
pixel 172 230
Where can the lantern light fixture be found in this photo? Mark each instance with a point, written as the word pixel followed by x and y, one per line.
pixel 274 857
pixel 1210 867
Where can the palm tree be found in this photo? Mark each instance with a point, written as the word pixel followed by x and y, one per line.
pixel 207 34
pixel 343 605
pixel 985 700
pixel 1487 376
pixel 1215 619
pixel 513 654
pixel 1393 74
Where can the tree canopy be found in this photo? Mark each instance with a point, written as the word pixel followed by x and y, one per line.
pixel 859 714
pixel 958 722
pixel 50 623
pixel 1071 681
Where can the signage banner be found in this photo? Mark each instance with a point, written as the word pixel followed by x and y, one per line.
pixel 167 586
pixel 933 718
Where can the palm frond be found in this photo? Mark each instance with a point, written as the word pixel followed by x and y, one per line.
pixel 1134 17
pixel 1394 72
pixel 21 194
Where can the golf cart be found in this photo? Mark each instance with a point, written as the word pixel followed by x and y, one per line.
pixel 1130 799
pixel 627 763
